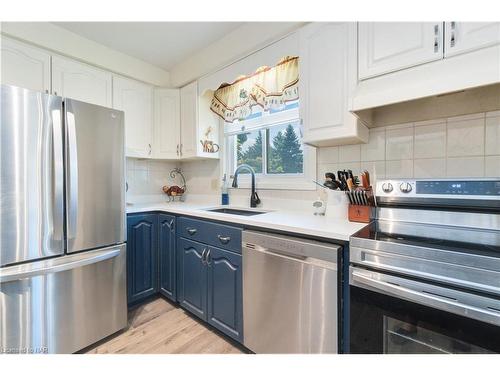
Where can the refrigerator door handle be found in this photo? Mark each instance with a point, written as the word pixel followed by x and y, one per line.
pixel 25 271
pixel 72 171
pixel 58 179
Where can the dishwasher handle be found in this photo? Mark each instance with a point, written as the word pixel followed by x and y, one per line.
pixel 291 247
pixel 289 257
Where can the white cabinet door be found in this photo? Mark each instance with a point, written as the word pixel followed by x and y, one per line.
pixel 189 120
pixel 327 77
pixel 24 66
pixel 166 125
pixel 463 37
pixel 79 81
pixel 389 46
pixel 135 99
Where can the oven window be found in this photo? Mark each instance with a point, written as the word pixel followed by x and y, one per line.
pixel 405 338
pixel 379 324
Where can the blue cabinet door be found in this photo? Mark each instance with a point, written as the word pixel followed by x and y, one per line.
pixel 225 306
pixel 142 256
pixel 192 277
pixel 166 249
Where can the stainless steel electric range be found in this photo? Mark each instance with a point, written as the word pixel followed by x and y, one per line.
pixel 425 275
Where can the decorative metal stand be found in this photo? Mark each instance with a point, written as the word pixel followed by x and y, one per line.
pixel 173 174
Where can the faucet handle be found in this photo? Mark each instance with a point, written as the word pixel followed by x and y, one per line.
pixel 254 199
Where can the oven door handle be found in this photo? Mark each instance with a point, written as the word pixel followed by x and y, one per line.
pixel 477 307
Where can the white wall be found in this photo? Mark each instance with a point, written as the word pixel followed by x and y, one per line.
pixel 234 46
pixel 64 42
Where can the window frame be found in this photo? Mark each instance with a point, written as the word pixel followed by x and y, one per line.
pixel 278 181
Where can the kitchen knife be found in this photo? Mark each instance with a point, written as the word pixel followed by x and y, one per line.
pixel 350 184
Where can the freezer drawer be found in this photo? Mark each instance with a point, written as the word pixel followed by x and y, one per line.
pixel 65 304
pixel 95 176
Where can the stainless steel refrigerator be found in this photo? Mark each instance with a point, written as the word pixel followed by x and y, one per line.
pixel 62 223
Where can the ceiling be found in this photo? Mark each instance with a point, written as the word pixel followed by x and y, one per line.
pixel 163 44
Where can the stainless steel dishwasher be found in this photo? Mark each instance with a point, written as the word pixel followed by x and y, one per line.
pixel 290 294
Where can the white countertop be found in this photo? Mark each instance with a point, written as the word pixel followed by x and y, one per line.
pixel 287 221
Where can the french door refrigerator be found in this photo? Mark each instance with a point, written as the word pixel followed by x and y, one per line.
pixel 62 223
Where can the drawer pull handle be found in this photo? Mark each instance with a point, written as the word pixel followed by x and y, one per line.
pixel 224 240
pixel 191 231
pixel 203 260
pixel 208 258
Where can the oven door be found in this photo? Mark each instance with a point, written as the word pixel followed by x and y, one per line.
pixel 391 314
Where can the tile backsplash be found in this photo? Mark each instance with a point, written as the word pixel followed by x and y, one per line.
pixel 464 146
pixel 146 177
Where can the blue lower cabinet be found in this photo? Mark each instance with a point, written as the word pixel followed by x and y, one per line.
pixel 166 253
pixel 142 257
pixel 204 279
pixel 225 306
pixel 192 277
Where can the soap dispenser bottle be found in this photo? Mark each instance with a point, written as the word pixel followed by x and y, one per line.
pixel 224 192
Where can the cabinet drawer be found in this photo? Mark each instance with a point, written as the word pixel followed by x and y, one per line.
pixel 223 236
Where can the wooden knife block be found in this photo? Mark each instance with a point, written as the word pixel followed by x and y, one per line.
pixel 360 214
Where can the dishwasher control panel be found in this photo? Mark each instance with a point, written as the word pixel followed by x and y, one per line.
pixel 291 246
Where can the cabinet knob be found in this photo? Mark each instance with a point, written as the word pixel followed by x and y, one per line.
pixel 453 27
pixel 437 37
pixel 191 231
pixel 224 240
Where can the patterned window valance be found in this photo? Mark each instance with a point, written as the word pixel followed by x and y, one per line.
pixel 269 88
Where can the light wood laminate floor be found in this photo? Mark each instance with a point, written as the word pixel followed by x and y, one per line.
pixel 160 327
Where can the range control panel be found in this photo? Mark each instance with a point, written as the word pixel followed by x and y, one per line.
pixel 442 188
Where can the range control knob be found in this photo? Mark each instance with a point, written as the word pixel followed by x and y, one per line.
pixel 387 187
pixel 405 187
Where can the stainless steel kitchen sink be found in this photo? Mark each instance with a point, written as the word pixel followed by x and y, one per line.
pixel 236 211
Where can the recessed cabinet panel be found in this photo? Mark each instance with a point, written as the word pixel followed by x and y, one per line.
pixel 135 99
pixel 80 81
pixel 166 130
pixel 327 78
pixel 142 257
pixel 189 119
pixel 24 66
pixel 225 306
pixel 192 277
pixel 389 46
pixel 166 248
pixel 461 37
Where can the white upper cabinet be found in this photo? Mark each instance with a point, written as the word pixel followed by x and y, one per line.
pixel 189 120
pixel 327 77
pixel 135 99
pixel 389 46
pixel 80 81
pixel 463 37
pixel 166 125
pixel 24 66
